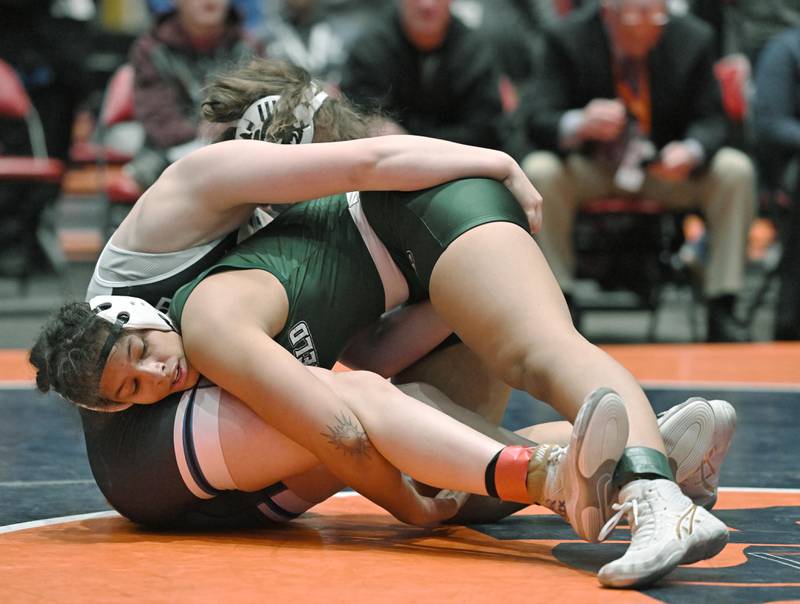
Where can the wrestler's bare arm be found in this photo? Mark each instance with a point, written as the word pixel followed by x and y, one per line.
pixel 214 189
pixel 235 351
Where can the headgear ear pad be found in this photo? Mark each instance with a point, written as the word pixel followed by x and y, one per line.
pixel 257 117
pixel 132 313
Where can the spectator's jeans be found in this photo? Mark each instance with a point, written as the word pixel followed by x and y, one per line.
pixel 725 194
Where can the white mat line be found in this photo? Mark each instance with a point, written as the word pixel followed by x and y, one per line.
pixel 725 386
pixel 22 526
pixel 43 483
pixel 759 490
pixel 17 385
pixel 777 559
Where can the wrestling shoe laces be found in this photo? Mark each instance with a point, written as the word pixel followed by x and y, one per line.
pixel 631 505
pixel 667 529
pixel 697 435
pixel 553 486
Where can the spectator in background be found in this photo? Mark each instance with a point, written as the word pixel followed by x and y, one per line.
pixel 298 33
pixel 624 82
pixel 513 29
pixel 46 42
pixel 172 61
pixel 745 26
pixel 251 11
pixel 777 124
pixel 429 73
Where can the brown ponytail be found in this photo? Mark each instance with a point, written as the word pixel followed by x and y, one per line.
pixel 230 94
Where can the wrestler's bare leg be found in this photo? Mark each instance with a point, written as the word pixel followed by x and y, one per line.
pixel 492 285
pixel 523 330
pixel 257 456
pixel 464 378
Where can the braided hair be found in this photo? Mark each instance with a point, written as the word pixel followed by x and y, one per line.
pixel 66 354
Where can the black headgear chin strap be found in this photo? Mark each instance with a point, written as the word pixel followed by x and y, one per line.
pixel 113 336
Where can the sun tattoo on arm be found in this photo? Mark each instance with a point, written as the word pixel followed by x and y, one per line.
pixel 348 435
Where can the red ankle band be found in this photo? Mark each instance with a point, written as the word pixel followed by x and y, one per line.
pixel 511 474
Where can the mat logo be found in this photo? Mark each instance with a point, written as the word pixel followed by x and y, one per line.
pixel 303 344
pixel 761 562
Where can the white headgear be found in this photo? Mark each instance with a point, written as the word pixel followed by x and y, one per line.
pixel 126 312
pixel 132 313
pixel 257 117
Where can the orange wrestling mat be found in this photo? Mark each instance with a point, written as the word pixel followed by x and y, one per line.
pixel 766 364
pixel 350 550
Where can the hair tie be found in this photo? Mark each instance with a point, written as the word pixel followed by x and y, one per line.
pixel 257 117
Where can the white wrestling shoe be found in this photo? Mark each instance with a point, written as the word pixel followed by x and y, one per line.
pixel 667 529
pixel 697 435
pixel 578 481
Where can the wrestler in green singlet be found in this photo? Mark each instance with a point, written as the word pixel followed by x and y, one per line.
pixel 334 289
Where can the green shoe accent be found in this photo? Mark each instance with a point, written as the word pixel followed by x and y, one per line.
pixel 641 462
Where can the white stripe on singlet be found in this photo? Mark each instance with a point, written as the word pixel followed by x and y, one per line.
pixel 290 502
pixel 180 449
pixel 284 506
pixel 395 288
pixel 271 514
pixel 206 439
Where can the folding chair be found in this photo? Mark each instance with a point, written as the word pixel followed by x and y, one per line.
pixel 38 171
pixel 630 244
pixel 119 191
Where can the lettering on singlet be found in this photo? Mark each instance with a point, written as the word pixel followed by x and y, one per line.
pixel 163 304
pixel 303 344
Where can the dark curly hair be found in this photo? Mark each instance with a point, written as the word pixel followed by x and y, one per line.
pixel 66 355
pixel 228 95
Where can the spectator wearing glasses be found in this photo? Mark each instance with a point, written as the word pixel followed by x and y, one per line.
pixel 627 104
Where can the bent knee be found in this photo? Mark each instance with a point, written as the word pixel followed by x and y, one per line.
pixel 533 365
pixel 525 368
